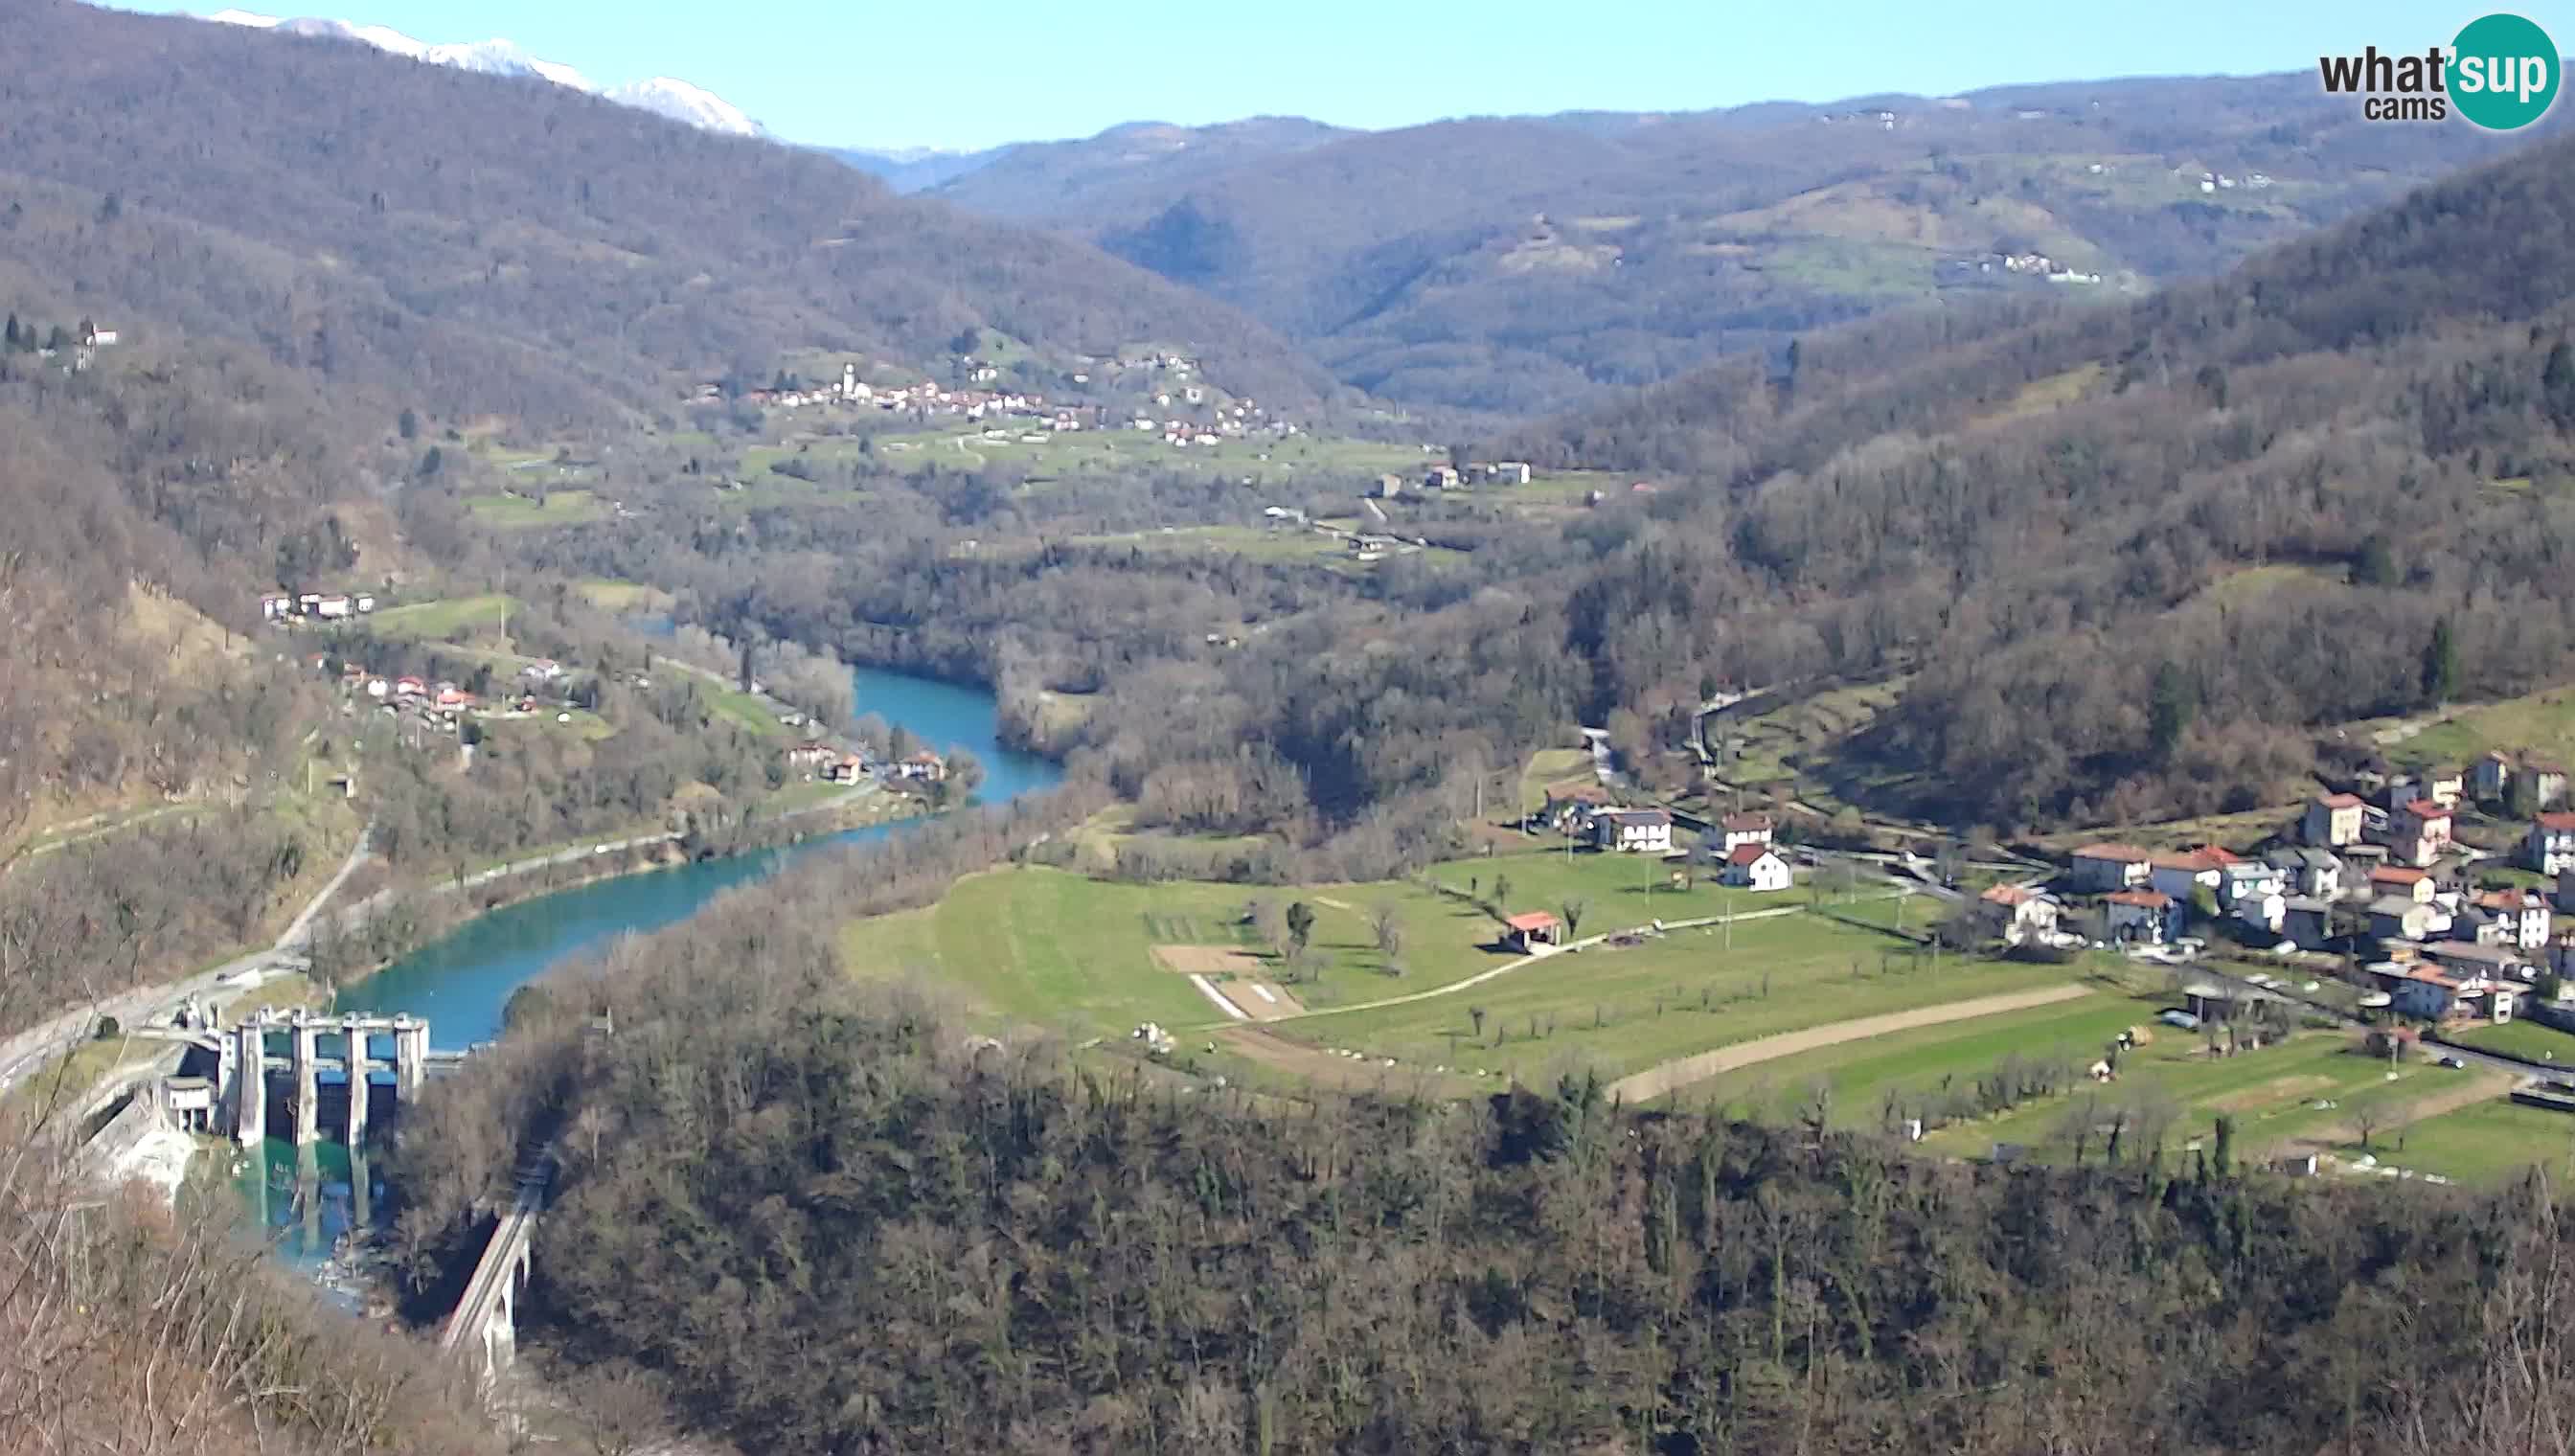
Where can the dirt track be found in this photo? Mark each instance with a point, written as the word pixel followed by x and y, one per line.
pixel 1319 1066
pixel 1658 1082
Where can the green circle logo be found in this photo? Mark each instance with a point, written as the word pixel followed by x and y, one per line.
pixel 2503 72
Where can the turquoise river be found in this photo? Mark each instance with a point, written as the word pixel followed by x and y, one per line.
pixel 307 1198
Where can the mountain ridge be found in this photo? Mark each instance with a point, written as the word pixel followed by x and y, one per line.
pixel 666 96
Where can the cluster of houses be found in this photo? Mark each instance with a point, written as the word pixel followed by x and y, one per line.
pixel 927 399
pixel 2385 870
pixel 1453 478
pixel 1740 845
pixel 830 763
pixel 292 607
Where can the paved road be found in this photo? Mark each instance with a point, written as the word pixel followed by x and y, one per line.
pixel 37 1046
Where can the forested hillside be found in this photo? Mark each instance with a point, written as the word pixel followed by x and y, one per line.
pixel 818 1218
pixel 2128 554
pixel 480 245
pixel 1513 263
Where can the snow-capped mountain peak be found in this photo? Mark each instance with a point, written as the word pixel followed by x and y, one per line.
pixel 680 101
pixel 662 95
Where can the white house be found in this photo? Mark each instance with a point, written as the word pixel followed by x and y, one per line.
pixel 2332 819
pixel 2523 913
pixel 1746 828
pixel 2550 848
pixel 1757 867
pixel 2422 831
pixel 2315 873
pixel 2249 879
pixel 2024 911
pixel 1632 830
pixel 333 604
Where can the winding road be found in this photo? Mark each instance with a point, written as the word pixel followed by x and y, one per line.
pixel 40 1045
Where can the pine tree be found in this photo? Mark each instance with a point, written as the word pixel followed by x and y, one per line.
pixel 2557 386
pixel 9 341
pixel 2441 664
pixel 2169 710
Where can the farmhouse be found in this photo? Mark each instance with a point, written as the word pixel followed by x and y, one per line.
pixel 1757 867
pixel 1746 828
pixel 1632 830
pixel 2144 915
pixel 1532 928
pixel 2333 821
pixel 2022 911
pixel 2111 867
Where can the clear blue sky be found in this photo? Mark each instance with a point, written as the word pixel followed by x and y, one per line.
pixel 873 73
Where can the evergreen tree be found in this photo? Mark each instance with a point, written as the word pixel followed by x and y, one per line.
pixel 2170 710
pixel 2557 386
pixel 9 341
pixel 2441 663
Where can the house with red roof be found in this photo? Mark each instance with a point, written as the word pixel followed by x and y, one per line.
pixel 2111 867
pixel 2332 819
pixel 2021 909
pixel 2550 845
pixel 2144 917
pixel 1529 930
pixel 1757 867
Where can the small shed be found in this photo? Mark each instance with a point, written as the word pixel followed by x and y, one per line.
pixel 1532 928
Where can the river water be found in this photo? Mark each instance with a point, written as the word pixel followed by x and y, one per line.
pixel 307 1198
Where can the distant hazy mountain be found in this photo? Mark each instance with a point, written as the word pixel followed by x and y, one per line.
pixel 1509 264
pixel 914 169
pixel 1132 162
pixel 662 95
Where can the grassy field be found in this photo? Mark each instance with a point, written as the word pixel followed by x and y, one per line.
pixel 1114 452
pixel 520 513
pixel 2307 1091
pixel 1051 949
pixel 1618 890
pixel 614 596
pixel 2528 1041
pixel 1621 1011
pixel 740 707
pixel 1548 767
pixel 2487 1143
pixel 1858 1076
pixel 425 619
pixel 2542 724
pixel 1775 745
